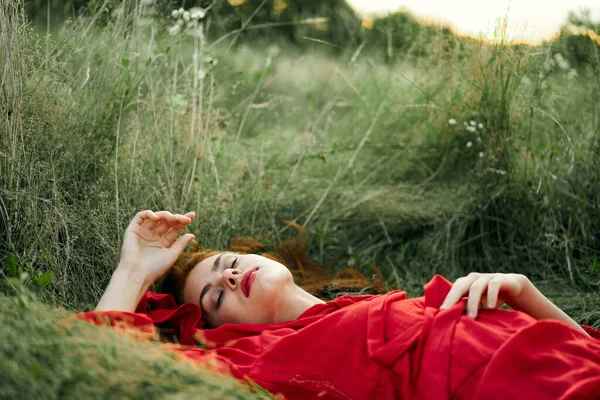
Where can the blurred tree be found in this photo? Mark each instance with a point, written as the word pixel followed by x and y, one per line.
pixel 333 21
pixel 399 34
pixel 579 40
pixel 583 19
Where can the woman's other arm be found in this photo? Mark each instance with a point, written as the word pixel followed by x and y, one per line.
pixel 490 291
pixel 534 303
pixel 149 249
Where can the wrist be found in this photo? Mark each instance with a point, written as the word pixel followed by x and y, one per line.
pixel 521 300
pixel 124 291
pixel 130 273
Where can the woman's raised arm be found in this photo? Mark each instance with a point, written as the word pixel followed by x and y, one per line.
pixel 149 249
pixel 492 290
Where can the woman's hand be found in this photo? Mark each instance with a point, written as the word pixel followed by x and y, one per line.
pixel 488 291
pixel 149 249
pixel 149 245
pixel 492 290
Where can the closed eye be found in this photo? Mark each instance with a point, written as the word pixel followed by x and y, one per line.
pixel 220 299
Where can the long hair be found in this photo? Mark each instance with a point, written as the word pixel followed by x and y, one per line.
pixel 290 252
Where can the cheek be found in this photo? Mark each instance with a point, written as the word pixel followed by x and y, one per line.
pixel 275 278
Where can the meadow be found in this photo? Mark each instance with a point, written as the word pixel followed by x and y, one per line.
pixel 481 159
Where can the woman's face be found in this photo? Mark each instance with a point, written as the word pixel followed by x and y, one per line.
pixel 238 288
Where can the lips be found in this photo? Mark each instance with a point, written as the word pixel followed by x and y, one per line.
pixel 247 280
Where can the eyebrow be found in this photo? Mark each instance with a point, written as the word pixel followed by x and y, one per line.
pixel 207 287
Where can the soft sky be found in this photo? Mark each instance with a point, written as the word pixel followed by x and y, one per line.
pixel 527 19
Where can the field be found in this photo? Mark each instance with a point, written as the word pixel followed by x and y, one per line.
pixel 481 159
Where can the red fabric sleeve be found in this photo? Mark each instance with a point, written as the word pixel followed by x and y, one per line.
pixel 153 309
pixel 164 310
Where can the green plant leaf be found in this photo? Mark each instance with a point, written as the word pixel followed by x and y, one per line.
pixel 13 281
pixel 273 160
pixel 13 266
pixel 45 278
pixel 124 62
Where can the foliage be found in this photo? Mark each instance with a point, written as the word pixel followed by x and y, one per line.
pixel 78 361
pixel 579 40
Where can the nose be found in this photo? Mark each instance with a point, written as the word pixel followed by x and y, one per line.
pixel 231 277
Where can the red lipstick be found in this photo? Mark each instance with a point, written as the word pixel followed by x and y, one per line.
pixel 247 280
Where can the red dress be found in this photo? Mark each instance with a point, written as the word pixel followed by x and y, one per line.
pixel 389 347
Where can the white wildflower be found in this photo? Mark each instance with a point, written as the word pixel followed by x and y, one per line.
pixel 180 22
pixel 175 14
pixel 465 123
pixel 526 81
pixel 472 123
pixel 572 74
pixel 481 154
pixel 207 58
pixel 174 30
pixel 480 125
pixel 452 121
pixel 561 62
pixel 478 139
pixel 201 74
pixel 186 16
pixel 469 144
pixel 181 11
pixel 197 13
pixel 544 85
pixel 195 29
pixel 471 129
pixel 214 62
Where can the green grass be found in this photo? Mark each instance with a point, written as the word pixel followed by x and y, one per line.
pixel 89 362
pixel 97 125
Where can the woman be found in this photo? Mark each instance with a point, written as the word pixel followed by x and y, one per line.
pixel 269 330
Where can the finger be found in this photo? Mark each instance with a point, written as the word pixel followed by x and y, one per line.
pixel 459 289
pixel 493 291
pixel 142 216
pixel 150 223
pixel 172 233
pixel 145 233
pixel 180 243
pixel 191 215
pixel 163 227
pixel 475 292
pixel 183 219
pixel 166 216
pixel 178 221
